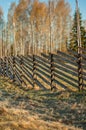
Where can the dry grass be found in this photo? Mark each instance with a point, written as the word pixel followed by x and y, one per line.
pixel 22 120
pixel 40 110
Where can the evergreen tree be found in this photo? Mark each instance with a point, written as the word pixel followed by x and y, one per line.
pixel 73 36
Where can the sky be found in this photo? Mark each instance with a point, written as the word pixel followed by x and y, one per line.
pixel 5 4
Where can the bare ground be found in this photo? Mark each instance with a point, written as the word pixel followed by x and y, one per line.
pixel 40 110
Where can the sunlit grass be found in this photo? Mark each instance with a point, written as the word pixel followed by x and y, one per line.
pixel 40 110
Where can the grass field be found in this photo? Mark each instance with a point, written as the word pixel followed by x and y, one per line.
pixel 40 110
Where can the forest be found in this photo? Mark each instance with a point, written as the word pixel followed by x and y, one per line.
pixel 33 27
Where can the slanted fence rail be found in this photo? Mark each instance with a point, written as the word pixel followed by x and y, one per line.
pixel 59 71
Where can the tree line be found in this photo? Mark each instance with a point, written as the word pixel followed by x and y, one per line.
pixel 34 27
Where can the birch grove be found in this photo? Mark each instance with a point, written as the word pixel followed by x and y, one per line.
pixel 35 27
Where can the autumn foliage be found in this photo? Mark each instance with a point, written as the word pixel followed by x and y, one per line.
pixel 35 27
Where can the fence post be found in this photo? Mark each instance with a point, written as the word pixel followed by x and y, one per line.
pixel 5 68
pixel 80 75
pixel 21 65
pixel 9 64
pixel 2 66
pixel 52 71
pixel 34 71
pixel 13 68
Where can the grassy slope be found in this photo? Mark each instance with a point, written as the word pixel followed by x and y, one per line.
pixel 40 110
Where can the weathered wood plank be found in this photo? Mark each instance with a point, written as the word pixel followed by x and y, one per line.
pixel 17 79
pixel 18 73
pixel 61 84
pixel 17 63
pixel 30 63
pixel 28 80
pixel 41 77
pixel 42 59
pixel 27 72
pixel 62 68
pixel 84 56
pixel 83 67
pixel 84 73
pixel 66 75
pixel 17 59
pixel 73 53
pixel 83 62
pixel 42 63
pixel 66 81
pixel 45 56
pixel 39 84
pixel 43 68
pixel 73 58
pixel 30 56
pixel 43 73
pixel 18 68
pixel 67 66
pixel 10 68
pixel 28 59
pixel 64 60
pixel 84 77
pixel 28 66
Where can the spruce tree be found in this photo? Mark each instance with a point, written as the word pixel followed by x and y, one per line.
pixel 73 36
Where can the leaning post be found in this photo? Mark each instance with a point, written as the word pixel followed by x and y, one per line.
pixel 80 75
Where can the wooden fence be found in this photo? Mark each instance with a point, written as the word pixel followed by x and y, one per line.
pixel 53 71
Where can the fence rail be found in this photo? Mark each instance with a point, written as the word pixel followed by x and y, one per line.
pixel 59 71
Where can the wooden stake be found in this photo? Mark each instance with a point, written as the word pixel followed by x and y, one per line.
pixel 80 77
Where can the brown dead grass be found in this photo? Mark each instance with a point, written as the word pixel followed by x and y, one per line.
pixel 39 110
pixel 12 120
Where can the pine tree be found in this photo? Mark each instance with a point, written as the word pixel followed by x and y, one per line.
pixel 73 36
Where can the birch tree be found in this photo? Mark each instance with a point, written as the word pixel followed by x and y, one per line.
pixel 62 11
pixel 1 32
